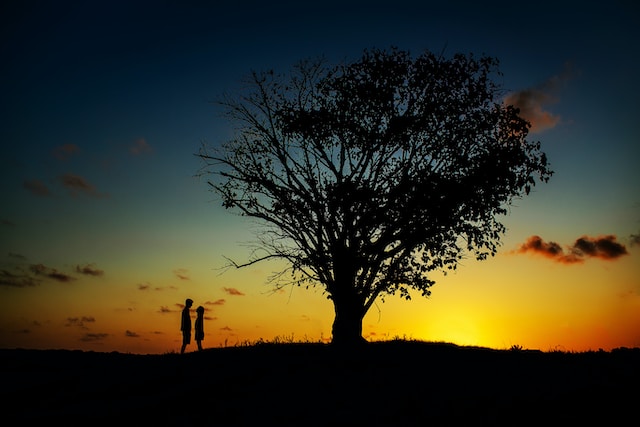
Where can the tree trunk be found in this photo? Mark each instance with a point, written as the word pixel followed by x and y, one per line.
pixel 347 302
pixel 347 324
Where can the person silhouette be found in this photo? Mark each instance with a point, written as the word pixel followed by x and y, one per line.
pixel 185 324
pixel 199 327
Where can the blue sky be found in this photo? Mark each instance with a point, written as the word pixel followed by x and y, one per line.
pixel 105 104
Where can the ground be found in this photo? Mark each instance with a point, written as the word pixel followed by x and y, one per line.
pixel 394 383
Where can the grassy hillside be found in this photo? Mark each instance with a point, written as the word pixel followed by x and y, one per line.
pixel 395 383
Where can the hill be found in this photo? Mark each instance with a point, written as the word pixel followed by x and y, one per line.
pixel 395 383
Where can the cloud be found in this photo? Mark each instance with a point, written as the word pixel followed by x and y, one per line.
pixel 65 151
pixel 131 334
pixel 602 247
pixel 181 273
pixel 18 280
pixel 31 326
pixel 634 240
pixel 93 337
pixel 233 291
pixel 164 309
pixel 78 185
pixel 36 187
pixel 89 270
pixel 140 146
pixel 80 321
pixel 532 102
pixel 220 301
pixel 51 273
pixel 25 275
pixel 144 286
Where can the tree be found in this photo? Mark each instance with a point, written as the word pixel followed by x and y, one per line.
pixel 368 175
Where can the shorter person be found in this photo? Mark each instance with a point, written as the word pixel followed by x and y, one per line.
pixel 199 326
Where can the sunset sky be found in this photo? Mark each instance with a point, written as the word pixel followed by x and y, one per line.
pixel 105 229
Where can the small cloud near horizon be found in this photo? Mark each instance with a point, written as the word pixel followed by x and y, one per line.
pixel 602 247
pixel 233 291
pixel 182 273
pixel 94 337
pixel 131 334
pixel 80 321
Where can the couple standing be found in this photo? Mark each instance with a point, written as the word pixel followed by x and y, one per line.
pixel 185 325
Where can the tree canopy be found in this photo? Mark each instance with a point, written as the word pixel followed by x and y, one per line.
pixel 370 174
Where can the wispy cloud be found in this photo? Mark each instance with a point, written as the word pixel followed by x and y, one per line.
pixel 233 291
pixel 80 322
pixel 89 270
pixel 18 273
pixel 182 273
pixel 78 185
pixel 164 309
pixel 17 280
pixel 36 187
pixel 220 301
pixel 131 334
pixel 585 247
pixel 51 273
pixel 139 147
pixel 634 239
pixel 94 337
pixel 533 102
pixel 65 151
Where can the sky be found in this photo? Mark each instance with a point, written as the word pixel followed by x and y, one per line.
pixel 106 227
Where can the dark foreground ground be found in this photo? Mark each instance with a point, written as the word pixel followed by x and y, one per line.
pixel 382 384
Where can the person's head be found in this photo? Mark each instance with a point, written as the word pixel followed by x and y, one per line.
pixel 200 310
pixel 188 302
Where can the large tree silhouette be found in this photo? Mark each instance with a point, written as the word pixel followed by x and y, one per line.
pixel 368 175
